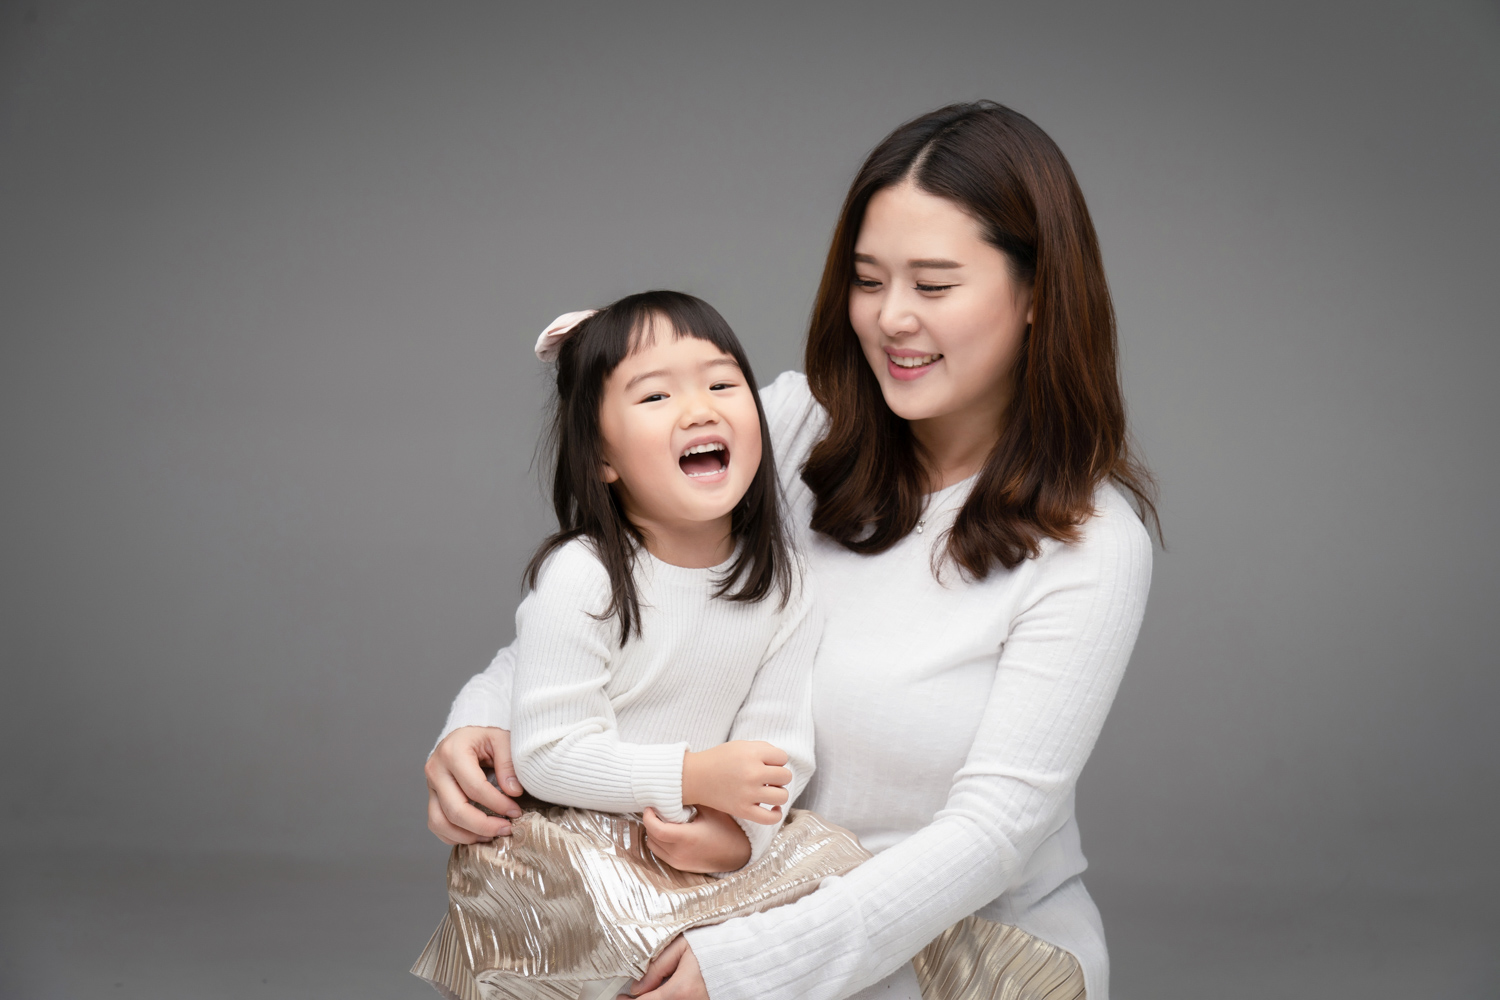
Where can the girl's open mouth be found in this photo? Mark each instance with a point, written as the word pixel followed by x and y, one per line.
pixel 705 459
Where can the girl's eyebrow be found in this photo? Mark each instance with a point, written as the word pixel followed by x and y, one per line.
pixel 659 373
pixel 662 372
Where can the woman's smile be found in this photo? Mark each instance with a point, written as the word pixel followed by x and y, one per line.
pixel 907 365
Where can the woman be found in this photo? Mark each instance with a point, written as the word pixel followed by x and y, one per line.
pixel 956 467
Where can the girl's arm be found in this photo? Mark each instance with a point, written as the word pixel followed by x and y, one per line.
pixel 1057 675
pixel 778 708
pixel 565 742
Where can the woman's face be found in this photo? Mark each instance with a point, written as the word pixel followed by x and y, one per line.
pixel 939 317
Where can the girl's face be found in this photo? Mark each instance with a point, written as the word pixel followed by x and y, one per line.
pixel 681 432
pixel 939 317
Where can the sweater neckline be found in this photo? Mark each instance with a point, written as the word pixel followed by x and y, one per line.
pixel 667 572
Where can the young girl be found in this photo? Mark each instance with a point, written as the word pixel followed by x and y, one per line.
pixel 664 656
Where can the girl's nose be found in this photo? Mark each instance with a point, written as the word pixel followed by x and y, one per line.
pixel 699 409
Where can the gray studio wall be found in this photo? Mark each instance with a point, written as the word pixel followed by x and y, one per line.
pixel 268 274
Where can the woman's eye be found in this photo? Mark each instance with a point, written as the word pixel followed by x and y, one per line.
pixel 932 288
pixel 865 282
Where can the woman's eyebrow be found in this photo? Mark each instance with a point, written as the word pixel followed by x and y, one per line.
pixel 941 263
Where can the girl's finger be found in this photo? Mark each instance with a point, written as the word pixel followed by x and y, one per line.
pixel 661 831
pixel 762 815
pixel 776 776
pixel 771 795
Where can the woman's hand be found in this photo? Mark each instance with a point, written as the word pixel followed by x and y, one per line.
pixel 710 842
pixel 455 780
pixel 736 777
pixel 678 962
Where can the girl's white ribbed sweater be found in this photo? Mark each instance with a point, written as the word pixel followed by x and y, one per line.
pixel 602 725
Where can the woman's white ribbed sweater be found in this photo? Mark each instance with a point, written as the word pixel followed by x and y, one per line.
pixel 953 718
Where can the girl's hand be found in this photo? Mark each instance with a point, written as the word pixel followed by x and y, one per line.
pixel 711 842
pixel 736 778
pixel 455 779
pixel 678 962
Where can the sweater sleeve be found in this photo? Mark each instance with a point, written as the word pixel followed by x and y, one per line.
pixel 485 699
pixel 778 707
pixel 564 737
pixel 1057 675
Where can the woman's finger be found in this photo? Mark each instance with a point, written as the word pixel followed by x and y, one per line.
pixel 449 833
pixel 471 778
pixel 458 811
pixel 686 982
pixel 661 967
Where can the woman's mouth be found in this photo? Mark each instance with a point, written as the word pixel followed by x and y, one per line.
pixel 906 367
pixel 705 460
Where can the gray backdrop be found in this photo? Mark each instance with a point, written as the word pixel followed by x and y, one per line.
pixel 269 273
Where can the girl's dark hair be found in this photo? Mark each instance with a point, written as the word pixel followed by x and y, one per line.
pixel 587 507
pixel 1064 431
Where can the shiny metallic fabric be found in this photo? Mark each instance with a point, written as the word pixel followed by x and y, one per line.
pixel 978 959
pixel 573 899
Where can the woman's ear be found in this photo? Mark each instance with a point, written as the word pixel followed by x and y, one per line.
pixel 607 473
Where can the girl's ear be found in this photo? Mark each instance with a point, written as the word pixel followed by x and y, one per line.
pixel 607 473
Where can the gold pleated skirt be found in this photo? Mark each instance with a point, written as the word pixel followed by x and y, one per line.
pixel 572 906
pixel 978 959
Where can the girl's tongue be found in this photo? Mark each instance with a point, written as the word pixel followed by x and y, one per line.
pixel 703 463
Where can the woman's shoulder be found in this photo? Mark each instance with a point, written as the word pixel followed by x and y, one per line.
pixel 795 418
pixel 1113 543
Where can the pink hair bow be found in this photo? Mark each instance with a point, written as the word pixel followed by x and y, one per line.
pixel 551 340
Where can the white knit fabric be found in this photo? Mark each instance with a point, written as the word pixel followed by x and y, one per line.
pixel 604 726
pixel 953 718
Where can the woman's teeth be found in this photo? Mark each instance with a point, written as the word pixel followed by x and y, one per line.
pixel 925 359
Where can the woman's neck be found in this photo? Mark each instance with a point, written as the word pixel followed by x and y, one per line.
pixel 956 445
pixel 691 545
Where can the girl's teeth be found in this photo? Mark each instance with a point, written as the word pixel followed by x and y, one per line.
pixel 925 359
pixel 702 449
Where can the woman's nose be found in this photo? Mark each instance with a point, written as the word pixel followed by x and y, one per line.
pixel 897 317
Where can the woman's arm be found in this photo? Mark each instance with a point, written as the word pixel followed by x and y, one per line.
pixel 1056 678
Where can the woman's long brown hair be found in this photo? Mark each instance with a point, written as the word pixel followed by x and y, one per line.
pixel 1064 431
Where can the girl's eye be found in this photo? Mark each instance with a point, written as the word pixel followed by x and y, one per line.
pixel 721 385
pixel 932 288
pixel 865 282
pixel 654 397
